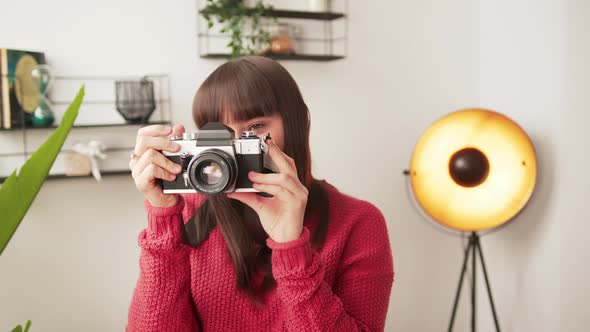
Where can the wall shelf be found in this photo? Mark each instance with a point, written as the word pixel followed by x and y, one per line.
pixel 62 176
pixel 98 120
pixel 324 40
pixel 308 57
pixel 98 125
pixel 324 16
pixel 301 14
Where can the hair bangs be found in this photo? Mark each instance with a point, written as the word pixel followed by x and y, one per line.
pixel 235 92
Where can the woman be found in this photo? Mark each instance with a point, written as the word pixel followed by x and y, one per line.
pixel 309 258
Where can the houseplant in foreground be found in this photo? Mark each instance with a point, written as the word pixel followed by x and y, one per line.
pixel 20 328
pixel 19 190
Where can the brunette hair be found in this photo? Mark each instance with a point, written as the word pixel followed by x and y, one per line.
pixel 240 90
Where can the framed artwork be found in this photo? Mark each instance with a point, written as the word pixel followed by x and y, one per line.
pixel 19 95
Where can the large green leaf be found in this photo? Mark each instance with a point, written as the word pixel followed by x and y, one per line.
pixel 20 328
pixel 18 191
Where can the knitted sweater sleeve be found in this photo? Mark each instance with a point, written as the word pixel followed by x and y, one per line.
pixel 161 300
pixel 360 296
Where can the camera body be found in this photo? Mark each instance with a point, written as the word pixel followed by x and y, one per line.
pixel 214 162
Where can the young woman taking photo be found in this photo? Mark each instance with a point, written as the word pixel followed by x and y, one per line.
pixel 307 258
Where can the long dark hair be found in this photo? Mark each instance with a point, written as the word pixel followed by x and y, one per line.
pixel 240 90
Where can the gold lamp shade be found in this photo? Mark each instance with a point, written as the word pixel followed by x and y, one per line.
pixel 473 169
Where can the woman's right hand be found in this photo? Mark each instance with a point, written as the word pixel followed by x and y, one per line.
pixel 150 164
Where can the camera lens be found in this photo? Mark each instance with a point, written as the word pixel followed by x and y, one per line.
pixel 212 172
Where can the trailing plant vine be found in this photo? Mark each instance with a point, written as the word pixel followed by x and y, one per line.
pixel 244 24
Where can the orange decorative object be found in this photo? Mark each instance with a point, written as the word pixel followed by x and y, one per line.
pixel 473 169
pixel 282 44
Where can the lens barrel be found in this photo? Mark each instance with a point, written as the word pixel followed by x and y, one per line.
pixel 212 172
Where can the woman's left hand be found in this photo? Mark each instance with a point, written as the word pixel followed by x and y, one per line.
pixel 282 215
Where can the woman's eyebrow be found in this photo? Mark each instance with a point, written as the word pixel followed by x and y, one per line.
pixel 250 121
pixel 257 119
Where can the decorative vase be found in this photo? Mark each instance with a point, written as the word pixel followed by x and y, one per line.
pixel 318 5
pixel 42 115
pixel 135 100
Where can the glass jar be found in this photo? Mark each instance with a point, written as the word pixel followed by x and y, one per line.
pixel 283 38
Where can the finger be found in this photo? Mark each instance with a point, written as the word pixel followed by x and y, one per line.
pixel 251 199
pixel 277 191
pixel 278 179
pixel 280 159
pixel 178 130
pixel 133 162
pixel 152 156
pixel 154 130
pixel 151 172
pixel 290 160
pixel 158 143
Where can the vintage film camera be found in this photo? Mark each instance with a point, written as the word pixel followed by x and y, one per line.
pixel 213 162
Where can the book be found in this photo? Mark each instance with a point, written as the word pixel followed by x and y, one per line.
pixel 18 91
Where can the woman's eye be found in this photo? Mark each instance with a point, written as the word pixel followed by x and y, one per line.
pixel 256 126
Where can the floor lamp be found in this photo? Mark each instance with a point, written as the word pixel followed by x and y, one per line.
pixel 471 171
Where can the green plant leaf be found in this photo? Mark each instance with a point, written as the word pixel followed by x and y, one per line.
pixel 28 325
pixel 18 191
pixel 17 329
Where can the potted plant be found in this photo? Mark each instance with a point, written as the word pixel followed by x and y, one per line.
pixel 235 18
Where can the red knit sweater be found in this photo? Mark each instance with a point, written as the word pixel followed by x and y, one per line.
pixel 343 287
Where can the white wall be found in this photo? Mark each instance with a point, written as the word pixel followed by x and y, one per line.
pixel 574 186
pixel 521 74
pixel 72 264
